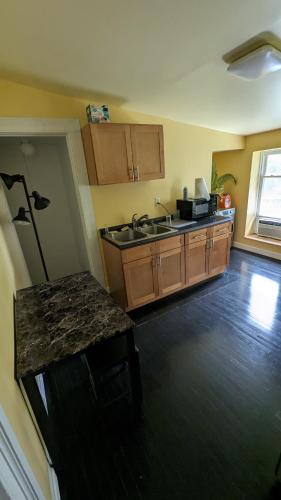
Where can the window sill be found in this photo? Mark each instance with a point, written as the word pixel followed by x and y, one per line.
pixel 264 239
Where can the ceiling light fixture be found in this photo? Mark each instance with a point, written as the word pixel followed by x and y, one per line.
pixel 27 148
pixel 256 64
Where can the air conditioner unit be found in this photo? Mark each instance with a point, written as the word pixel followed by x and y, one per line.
pixel 269 228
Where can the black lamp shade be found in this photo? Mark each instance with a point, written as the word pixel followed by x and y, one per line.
pixel 21 218
pixel 39 201
pixel 9 180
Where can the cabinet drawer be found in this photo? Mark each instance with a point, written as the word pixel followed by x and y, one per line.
pixel 139 252
pixel 169 244
pixel 194 236
pixel 219 229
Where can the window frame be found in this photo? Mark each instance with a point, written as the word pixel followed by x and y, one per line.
pixel 262 176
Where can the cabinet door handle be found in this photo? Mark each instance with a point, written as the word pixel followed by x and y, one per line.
pixel 137 175
pixel 197 237
pixel 132 174
pixel 160 260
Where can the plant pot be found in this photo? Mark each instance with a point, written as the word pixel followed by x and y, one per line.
pixel 225 201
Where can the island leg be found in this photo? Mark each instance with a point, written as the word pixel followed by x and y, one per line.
pixel 43 423
pixel 135 376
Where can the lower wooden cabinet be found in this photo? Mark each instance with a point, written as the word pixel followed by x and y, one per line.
pixel 156 276
pixel 218 254
pixel 170 271
pixel 144 273
pixel 141 281
pixel 196 261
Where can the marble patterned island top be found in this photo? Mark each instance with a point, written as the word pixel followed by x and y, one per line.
pixel 60 318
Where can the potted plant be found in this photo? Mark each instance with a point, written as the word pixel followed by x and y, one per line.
pixel 218 186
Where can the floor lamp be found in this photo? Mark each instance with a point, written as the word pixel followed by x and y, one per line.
pixel 39 204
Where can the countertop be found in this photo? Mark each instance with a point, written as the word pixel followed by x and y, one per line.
pixel 57 319
pixel 212 220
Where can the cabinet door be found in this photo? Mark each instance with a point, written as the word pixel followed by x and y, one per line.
pixel 218 254
pixel 141 281
pixel 112 153
pixel 171 271
pixel 196 262
pixel 148 152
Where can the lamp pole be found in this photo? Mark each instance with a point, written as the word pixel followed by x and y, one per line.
pixel 22 179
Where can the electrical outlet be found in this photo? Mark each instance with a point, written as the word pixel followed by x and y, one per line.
pixel 157 200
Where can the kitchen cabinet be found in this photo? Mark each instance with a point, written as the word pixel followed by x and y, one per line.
pixel 218 254
pixel 148 152
pixel 144 273
pixel 196 255
pixel 141 281
pixel 157 274
pixel 108 153
pixel 170 271
pixel 117 153
pixel 207 253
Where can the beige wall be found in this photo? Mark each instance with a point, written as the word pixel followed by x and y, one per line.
pixel 188 153
pixel 13 274
pixel 239 163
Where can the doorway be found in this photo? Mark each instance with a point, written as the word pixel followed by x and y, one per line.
pixel 46 168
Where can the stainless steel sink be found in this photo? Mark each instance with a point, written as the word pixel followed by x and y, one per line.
pixel 145 233
pixel 155 230
pixel 126 236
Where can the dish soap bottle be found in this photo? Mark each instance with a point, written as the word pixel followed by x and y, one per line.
pixel 185 193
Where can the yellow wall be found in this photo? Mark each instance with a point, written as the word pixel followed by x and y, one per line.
pixel 188 151
pixel 239 163
pixel 10 397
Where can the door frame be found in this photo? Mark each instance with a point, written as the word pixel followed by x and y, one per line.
pixel 71 131
pixel 16 476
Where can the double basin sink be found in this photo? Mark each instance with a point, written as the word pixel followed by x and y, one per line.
pixel 131 235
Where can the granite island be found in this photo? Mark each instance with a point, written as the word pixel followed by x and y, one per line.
pixel 59 319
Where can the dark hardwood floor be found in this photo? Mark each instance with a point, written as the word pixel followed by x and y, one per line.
pixel 211 371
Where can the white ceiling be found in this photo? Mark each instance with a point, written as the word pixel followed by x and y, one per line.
pixel 161 57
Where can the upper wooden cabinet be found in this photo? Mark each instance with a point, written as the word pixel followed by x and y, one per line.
pixel 148 152
pixel 117 152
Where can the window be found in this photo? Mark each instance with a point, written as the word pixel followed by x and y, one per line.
pixel 269 196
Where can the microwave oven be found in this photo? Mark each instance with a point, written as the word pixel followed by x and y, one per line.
pixel 194 208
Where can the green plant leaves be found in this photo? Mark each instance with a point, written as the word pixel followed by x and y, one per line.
pixel 218 181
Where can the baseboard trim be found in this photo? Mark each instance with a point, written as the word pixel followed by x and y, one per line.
pixel 257 250
pixel 54 485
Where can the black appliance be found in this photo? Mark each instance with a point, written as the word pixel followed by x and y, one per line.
pixel 194 208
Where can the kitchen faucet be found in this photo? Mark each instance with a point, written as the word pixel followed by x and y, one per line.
pixel 136 221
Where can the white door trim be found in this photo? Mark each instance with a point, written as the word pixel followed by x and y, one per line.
pixel 54 485
pixel 70 129
pixel 16 476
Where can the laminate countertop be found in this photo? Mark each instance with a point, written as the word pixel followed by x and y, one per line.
pixel 209 221
pixel 60 318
